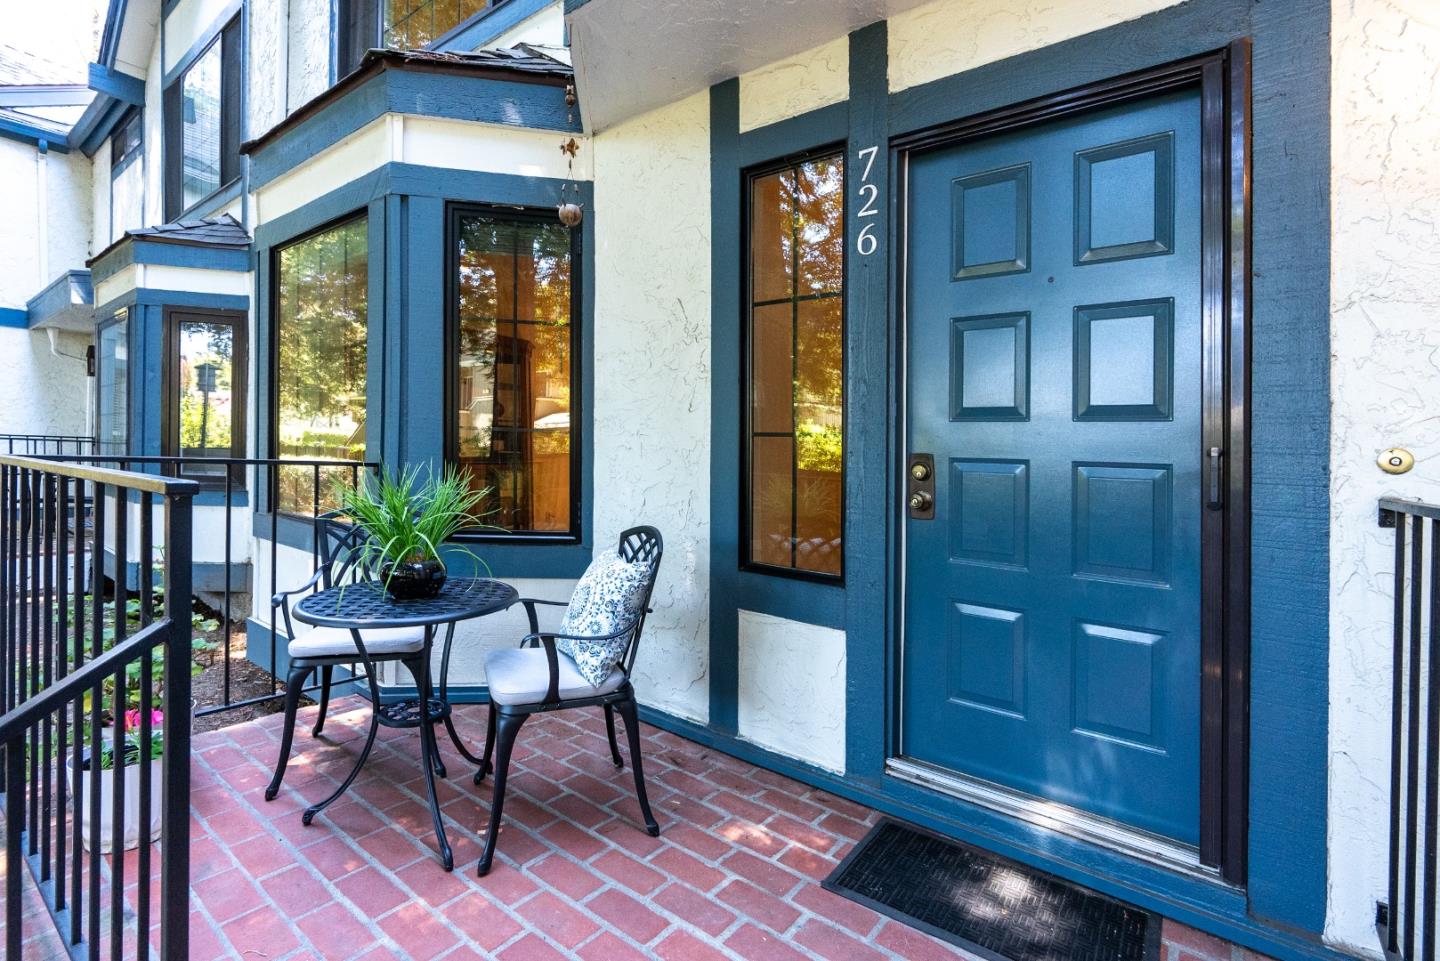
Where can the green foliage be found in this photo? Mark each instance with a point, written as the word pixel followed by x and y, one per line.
pixel 818 448
pixel 130 750
pixel 408 520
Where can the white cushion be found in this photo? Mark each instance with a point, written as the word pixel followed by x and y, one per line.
pixel 609 597
pixel 337 642
pixel 521 675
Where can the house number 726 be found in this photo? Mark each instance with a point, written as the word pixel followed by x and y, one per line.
pixel 866 242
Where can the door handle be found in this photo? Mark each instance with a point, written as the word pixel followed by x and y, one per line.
pixel 920 487
pixel 1214 500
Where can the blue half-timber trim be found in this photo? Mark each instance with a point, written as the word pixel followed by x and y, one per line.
pixel 45 138
pixel 452 96
pixel 208 576
pixel 117 84
pixel 214 201
pixel 13 317
pixel 70 289
pixel 725 306
pixel 150 297
pixel 733 589
pixel 137 250
pixel 484 27
pixel 110 35
pixel 1201 904
pixel 202 42
pixel 406 206
pixel 816 128
pixel 869 414
pixel 1289 667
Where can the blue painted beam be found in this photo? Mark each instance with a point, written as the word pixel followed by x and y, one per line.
pixel 13 317
pixel 479 31
pixel 46 138
pixel 97 123
pixel 117 84
pixel 70 289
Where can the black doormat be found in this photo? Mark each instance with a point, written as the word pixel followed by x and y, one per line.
pixel 987 904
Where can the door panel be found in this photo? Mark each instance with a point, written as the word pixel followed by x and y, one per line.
pixel 1052 634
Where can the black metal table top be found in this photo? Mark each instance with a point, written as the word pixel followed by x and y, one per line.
pixel 366 605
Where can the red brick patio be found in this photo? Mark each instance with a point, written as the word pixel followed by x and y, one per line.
pixel 734 875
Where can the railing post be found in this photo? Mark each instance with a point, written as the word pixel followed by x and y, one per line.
pixel 175 783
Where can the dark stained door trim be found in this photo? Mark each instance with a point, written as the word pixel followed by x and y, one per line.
pixel 1223 78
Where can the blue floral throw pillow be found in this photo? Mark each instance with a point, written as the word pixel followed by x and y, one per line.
pixel 609 597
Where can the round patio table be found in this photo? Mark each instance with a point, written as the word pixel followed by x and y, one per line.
pixel 365 606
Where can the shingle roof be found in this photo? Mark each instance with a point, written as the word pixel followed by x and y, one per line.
pixel 523 58
pixel 221 231
pixel 22 68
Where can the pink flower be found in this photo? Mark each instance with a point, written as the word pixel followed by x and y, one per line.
pixel 132 719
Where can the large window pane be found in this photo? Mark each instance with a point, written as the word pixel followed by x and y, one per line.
pixel 795 386
pixel 200 126
pixel 208 407
pixel 322 325
pixel 112 377
pixel 412 24
pixel 514 369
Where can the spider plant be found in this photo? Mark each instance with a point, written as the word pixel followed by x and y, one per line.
pixel 407 519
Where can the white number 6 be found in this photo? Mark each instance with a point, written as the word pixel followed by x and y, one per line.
pixel 866 242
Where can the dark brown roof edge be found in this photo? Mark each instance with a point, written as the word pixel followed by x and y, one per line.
pixel 421 61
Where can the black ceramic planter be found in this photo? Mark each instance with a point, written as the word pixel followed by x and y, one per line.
pixel 413 580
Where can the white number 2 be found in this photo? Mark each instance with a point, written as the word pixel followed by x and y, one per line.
pixel 866 243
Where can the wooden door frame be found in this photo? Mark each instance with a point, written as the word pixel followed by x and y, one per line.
pixel 1223 80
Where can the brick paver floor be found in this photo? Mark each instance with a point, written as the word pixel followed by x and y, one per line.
pixel 734 874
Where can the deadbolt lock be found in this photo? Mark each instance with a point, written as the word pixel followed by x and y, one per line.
pixel 920 487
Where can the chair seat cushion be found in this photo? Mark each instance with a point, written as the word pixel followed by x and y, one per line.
pixel 337 642
pixel 521 675
pixel 609 597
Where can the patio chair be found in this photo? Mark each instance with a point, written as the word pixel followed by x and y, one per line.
pixel 538 677
pixel 325 648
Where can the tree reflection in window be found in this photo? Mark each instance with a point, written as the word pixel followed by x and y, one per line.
pixel 513 370
pixel 322 327
pixel 795 364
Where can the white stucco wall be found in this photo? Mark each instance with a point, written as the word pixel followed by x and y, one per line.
pixel 952 36
pixel 308 66
pixel 1385 382
pixel 652 379
pixel 39 392
pixel 792 688
pixel 47 202
pixel 266 74
pixel 546 28
pixel 188 22
pixel 810 80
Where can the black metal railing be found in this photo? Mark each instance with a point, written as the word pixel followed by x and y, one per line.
pixel 79 686
pixel 284 496
pixel 1409 919
pixel 46 445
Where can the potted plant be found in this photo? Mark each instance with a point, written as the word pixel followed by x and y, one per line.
pixel 407 521
pixel 133 755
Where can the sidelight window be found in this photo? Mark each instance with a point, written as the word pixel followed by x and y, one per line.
pixel 794 385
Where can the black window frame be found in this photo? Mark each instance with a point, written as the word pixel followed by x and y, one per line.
pixel 115 319
pixel 454 212
pixel 239 394
pixel 748 176
pixel 232 81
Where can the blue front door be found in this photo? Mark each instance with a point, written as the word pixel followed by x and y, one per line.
pixel 1052 604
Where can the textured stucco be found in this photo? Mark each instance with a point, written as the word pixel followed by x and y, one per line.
pixel 39 392
pixel 807 81
pixel 792 688
pixel 309 50
pixel 266 77
pixel 652 378
pixel 546 28
pixel 187 24
pixel 1385 383
pixel 952 36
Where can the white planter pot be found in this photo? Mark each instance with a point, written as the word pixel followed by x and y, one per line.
pixel 133 831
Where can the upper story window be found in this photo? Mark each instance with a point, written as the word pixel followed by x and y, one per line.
pixel 794 384
pixel 512 381
pixel 127 178
pixel 398 25
pixel 203 124
pixel 322 324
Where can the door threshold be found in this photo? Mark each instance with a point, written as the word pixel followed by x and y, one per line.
pixel 1092 828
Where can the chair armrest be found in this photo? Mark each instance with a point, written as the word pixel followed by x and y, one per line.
pixel 547 639
pixel 279 597
pixel 530 603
